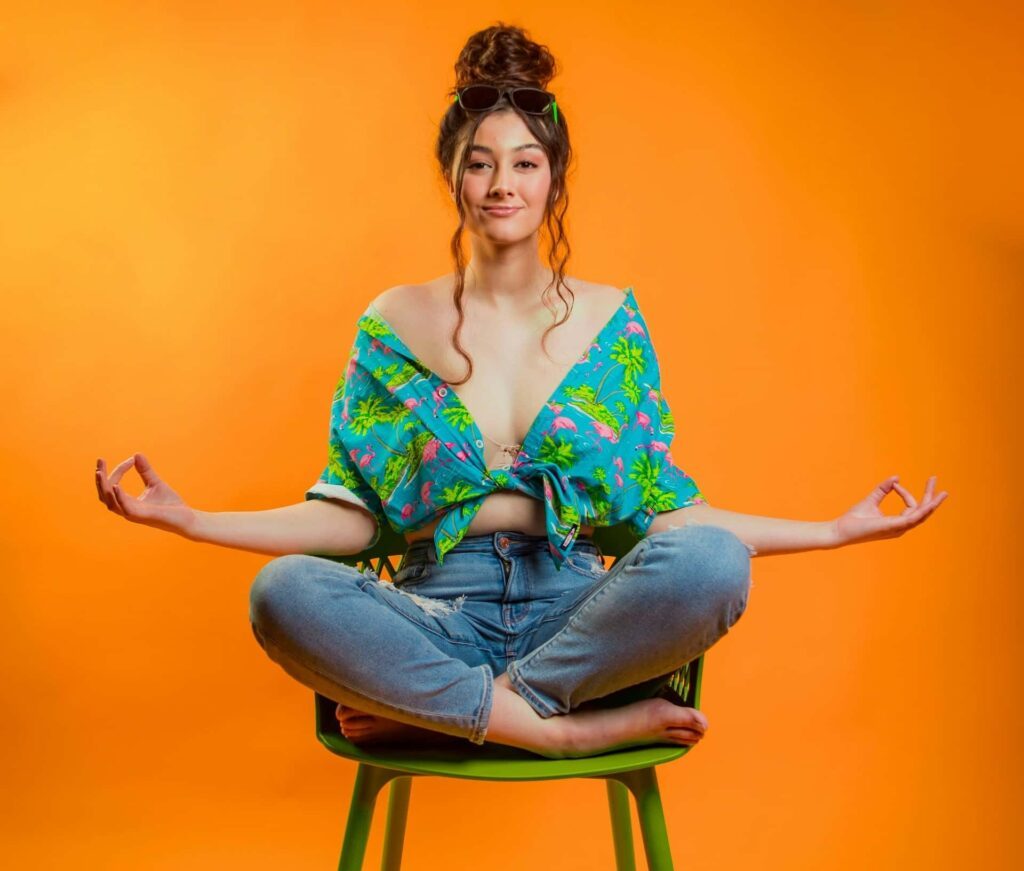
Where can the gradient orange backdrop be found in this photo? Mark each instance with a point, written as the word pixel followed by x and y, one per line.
pixel 819 207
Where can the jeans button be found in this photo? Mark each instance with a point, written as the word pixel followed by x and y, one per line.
pixel 503 541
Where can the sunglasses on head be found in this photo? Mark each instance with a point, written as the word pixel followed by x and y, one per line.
pixel 533 101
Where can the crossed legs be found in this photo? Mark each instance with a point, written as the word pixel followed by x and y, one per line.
pixel 667 601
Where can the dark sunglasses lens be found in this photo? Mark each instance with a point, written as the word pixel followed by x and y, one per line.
pixel 531 99
pixel 478 97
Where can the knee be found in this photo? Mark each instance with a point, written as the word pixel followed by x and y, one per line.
pixel 715 567
pixel 274 587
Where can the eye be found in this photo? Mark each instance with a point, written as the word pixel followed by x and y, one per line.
pixel 480 163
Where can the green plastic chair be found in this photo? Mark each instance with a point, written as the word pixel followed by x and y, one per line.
pixel 630 770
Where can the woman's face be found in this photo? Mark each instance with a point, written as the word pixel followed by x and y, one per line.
pixel 501 172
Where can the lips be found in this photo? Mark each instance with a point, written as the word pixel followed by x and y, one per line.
pixel 501 210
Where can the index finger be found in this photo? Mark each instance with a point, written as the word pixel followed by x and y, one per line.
pixel 121 468
pixel 908 497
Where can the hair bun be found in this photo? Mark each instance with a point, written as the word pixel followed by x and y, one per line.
pixel 504 54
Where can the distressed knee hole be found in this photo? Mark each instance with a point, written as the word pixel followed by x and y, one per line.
pixel 434 607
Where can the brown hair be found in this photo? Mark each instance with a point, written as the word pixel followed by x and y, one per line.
pixel 504 55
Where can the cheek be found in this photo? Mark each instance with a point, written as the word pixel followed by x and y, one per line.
pixel 474 187
pixel 542 184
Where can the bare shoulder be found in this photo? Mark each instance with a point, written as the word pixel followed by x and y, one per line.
pixel 602 292
pixel 600 300
pixel 392 300
pixel 408 308
pixel 403 295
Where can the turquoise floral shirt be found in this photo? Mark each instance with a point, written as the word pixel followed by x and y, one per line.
pixel 403 447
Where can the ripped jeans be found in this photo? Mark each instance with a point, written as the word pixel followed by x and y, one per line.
pixel 425 649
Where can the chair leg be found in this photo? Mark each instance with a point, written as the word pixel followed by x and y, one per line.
pixel 622 825
pixel 394 831
pixel 643 783
pixel 369 781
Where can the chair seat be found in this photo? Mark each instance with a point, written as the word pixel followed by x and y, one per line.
pixel 498 762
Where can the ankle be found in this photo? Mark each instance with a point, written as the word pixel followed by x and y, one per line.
pixel 514 722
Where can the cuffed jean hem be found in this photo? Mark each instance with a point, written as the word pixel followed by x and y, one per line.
pixel 540 705
pixel 483 716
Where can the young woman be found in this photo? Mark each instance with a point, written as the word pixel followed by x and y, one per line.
pixel 503 623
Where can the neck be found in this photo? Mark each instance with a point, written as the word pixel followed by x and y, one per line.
pixel 506 283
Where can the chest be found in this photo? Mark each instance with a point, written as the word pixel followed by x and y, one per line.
pixel 513 378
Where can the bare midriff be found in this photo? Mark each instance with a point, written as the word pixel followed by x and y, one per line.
pixel 502 511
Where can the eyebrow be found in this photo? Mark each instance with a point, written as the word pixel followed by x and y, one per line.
pixel 487 150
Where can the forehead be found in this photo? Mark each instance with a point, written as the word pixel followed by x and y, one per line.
pixel 504 131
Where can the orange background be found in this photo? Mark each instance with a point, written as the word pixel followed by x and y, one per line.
pixel 819 207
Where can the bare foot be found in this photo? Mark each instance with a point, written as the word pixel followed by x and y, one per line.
pixel 589 731
pixel 578 733
pixel 648 721
pixel 359 727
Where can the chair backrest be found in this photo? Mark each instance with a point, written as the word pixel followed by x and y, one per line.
pixel 385 558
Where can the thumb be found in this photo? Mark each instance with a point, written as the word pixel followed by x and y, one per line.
pixel 878 494
pixel 146 471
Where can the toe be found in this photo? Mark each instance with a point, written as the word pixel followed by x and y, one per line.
pixel 686 736
pixel 693 719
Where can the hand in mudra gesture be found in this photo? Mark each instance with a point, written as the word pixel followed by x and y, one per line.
pixel 866 522
pixel 158 506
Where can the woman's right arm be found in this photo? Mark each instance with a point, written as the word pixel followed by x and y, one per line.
pixel 316 526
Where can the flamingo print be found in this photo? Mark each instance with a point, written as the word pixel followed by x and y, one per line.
pixel 438 399
pixel 430 450
pixel 460 453
pixel 605 431
pixel 351 367
pixel 377 345
pixel 586 354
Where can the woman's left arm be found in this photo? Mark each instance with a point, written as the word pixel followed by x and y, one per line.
pixel 773 535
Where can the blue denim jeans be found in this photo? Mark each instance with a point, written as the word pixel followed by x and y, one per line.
pixel 425 649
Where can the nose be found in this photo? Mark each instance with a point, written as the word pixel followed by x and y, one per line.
pixel 500 187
